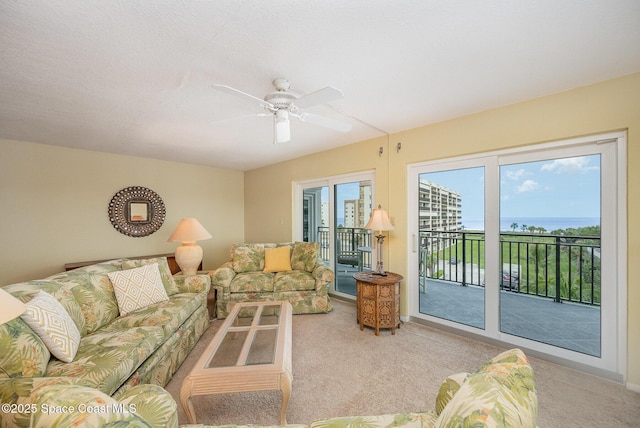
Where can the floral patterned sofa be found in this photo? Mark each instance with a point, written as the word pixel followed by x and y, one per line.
pixel 500 394
pixel 131 324
pixel 263 272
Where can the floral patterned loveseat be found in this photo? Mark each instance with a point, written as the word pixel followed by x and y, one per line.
pixel 290 271
pixel 124 354
pixel 500 394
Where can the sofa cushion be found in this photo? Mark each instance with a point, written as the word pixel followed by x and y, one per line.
pixel 23 352
pixel 97 300
pixel 501 393
pixel 404 420
pixel 295 280
pixel 277 259
pixel 305 255
pixel 251 282
pixel 107 359
pixel 169 283
pixel 448 390
pixel 138 287
pixel 169 314
pixel 247 257
pixel 46 316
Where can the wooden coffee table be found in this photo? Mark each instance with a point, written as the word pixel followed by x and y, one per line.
pixel 250 352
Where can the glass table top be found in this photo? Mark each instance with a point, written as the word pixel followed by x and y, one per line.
pixel 250 339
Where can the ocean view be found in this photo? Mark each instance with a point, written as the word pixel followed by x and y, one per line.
pixel 549 223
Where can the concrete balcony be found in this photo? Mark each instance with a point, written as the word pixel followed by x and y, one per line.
pixel 567 325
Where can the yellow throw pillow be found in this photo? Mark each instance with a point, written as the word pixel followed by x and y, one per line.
pixel 277 259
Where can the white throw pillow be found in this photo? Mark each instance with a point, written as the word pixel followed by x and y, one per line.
pixel 138 288
pixel 49 320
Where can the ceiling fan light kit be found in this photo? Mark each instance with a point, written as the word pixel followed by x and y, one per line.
pixel 281 128
pixel 283 104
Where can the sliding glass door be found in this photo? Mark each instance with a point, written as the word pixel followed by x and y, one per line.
pixel 333 211
pixel 525 246
pixel 451 246
pixel 550 251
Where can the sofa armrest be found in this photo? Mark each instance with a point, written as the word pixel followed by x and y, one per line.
pixel 74 405
pixel 153 403
pixel 21 392
pixel 323 274
pixel 192 283
pixel 448 389
pixel 221 278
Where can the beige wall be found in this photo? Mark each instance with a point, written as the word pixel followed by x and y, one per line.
pixel 54 201
pixel 608 106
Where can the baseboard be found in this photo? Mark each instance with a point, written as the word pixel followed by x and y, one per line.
pixel 605 374
pixel 633 387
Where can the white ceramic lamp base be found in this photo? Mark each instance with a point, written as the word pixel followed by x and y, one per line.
pixel 188 257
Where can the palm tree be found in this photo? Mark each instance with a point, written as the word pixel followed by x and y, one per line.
pixel 514 226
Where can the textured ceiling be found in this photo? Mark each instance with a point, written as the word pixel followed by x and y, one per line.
pixel 135 76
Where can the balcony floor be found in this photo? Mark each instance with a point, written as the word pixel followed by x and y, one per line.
pixel 566 325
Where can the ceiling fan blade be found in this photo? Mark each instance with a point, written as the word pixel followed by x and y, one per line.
pixel 320 96
pixel 234 91
pixel 327 122
pixel 246 116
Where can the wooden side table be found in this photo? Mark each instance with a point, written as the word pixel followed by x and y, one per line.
pixel 378 300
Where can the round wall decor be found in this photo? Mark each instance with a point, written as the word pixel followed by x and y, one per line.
pixel 136 211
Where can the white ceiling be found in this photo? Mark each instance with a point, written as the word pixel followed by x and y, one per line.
pixel 134 76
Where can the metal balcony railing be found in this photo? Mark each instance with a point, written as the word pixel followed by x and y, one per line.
pixel 353 245
pixel 564 268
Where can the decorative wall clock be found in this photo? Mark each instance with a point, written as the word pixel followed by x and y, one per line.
pixel 136 211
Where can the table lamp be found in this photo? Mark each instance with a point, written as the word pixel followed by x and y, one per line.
pixel 10 307
pixel 189 254
pixel 379 221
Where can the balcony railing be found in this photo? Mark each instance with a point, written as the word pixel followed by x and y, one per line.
pixel 564 268
pixel 353 244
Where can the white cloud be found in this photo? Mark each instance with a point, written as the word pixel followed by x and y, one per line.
pixel 527 186
pixel 515 175
pixel 577 165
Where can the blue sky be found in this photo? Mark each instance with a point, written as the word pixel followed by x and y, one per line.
pixel 568 187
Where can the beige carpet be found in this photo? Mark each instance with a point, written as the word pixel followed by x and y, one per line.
pixel 339 370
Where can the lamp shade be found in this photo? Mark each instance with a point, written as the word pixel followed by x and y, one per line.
pixel 10 307
pixel 189 230
pixel 379 220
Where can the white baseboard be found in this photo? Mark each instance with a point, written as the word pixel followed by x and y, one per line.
pixel 633 387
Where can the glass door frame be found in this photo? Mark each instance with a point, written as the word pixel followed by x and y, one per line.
pixel 330 183
pixel 612 147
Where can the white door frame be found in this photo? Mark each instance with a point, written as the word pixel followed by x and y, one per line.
pixel 330 182
pixel 612 147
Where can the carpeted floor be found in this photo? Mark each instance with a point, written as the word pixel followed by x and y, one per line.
pixel 339 370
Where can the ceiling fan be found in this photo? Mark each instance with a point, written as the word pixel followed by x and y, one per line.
pixel 283 104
